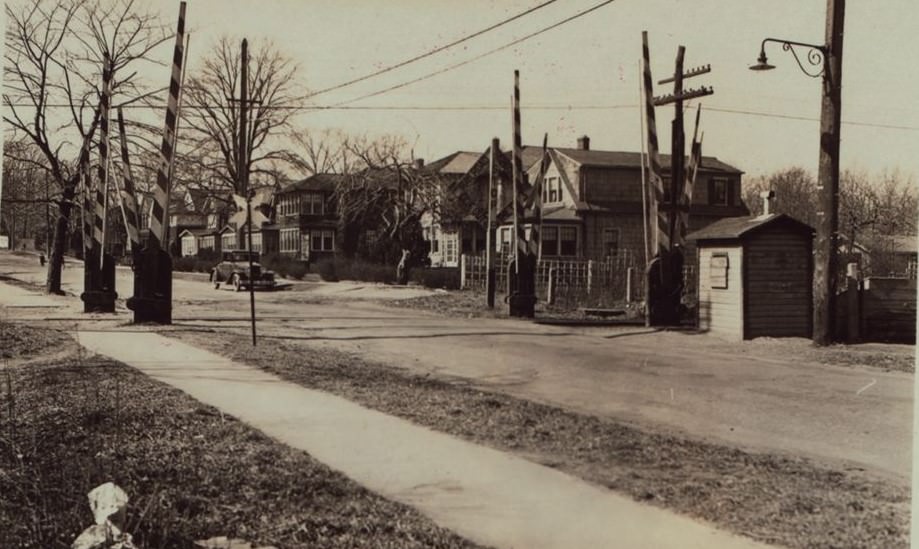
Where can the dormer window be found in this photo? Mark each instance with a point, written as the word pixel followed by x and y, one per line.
pixel 553 190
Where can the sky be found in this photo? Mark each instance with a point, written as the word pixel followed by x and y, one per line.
pixel 582 78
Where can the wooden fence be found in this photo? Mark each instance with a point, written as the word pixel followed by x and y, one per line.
pixel 877 309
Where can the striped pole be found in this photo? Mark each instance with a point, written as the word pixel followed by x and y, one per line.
pixel 101 190
pixel 520 248
pixel 129 209
pixel 159 222
pixel 695 160
pixel 536 217
pixel 659 239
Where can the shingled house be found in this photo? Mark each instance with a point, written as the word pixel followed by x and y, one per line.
pixel 305 217
pixel 592 202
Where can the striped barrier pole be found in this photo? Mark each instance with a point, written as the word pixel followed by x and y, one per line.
pixel 99 210
pixel 129 209
pixel 659 230
pixel 695 160
pixel 159 221
pixel 536 203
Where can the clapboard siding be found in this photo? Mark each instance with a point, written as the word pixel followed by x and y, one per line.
pixel 777 283
pixel 721 310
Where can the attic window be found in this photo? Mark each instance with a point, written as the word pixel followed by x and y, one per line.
pixel 718 271
pixel 553 191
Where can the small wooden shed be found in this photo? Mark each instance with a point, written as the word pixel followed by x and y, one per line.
pixel 755 277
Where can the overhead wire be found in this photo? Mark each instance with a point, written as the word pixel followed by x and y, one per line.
pixel 477 57
pixel 429 53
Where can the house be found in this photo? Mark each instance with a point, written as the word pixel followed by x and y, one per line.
pixel 457 223
pixel 306 219
pixel 592 202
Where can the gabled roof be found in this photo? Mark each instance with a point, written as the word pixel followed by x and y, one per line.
pixel 735 228
pixel 318 182
pixel 618 159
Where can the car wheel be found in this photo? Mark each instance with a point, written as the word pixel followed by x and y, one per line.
pixel 237 283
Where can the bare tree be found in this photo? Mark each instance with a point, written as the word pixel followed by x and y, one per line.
pixel 211 117
pixel 55 54
pixel 796 193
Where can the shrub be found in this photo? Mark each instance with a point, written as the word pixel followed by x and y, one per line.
pixel 446 278
pixel 285 266
pixel 342 268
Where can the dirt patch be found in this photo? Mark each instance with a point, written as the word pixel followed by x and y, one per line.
pixel 68 425
pixel 793 502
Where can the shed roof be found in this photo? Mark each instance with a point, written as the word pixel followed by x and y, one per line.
pixel 736 228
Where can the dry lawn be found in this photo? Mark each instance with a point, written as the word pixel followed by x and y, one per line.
pixel 70 423
pixel 792 502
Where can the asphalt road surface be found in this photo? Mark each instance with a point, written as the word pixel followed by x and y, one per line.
pixel 846 417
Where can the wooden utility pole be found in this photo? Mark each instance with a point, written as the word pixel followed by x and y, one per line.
pixel 826 270
pixel 491 278
pixel 666 281
pixel 243 171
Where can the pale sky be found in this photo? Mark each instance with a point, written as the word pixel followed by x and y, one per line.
pixel 590 65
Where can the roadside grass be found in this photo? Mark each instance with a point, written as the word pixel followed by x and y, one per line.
pixel 69 423
pixel 889 357
pixel 776 499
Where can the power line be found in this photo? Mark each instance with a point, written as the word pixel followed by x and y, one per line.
pixel 476 58
pixel 429 53
pixel 537 107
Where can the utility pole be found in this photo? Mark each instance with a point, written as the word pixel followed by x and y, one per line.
pixel 242 171
pixel 667 285
pixel 490 280
pixel 825 261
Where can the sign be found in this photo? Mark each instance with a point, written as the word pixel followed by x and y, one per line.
pixel 718 271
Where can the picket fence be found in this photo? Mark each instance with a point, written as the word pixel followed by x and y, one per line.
pixel 605 282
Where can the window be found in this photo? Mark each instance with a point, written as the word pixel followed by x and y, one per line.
pixel 322 240
pixel 718 271
pixel 290 240
pixel 611 241
pixel 450 248
pixel 256 241
pixel 503 244
pixel 559 241
pixel 312 203
pixel 228 241
pixel 553 190
pixel 568 240
pixel 207 242
pixel 188 246
pixel 720 194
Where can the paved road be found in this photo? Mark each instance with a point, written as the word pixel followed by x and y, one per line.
pixel 847 417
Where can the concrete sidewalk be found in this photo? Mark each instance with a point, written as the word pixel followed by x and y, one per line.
pixel 482 494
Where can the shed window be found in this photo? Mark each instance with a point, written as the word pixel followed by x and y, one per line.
pixel 718 271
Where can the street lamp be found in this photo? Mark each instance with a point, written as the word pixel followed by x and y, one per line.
pixel 827 59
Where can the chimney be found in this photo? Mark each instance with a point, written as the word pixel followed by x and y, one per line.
pixel 584 143
pixel 768 197
pixel 419 163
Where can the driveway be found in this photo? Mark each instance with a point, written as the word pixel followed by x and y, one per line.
pixel 846 417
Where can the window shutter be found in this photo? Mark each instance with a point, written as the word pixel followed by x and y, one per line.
pixel 730 191
pixel 711 191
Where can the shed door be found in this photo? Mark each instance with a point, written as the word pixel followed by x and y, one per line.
pixel 778 285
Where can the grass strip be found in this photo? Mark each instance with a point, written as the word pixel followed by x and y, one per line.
pixel 788 501
pixel 69 424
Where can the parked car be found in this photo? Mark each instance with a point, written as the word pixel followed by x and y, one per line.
pixel 234 270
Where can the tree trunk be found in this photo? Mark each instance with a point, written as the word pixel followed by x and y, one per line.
pixel 56 261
